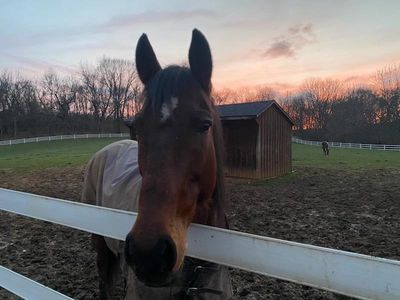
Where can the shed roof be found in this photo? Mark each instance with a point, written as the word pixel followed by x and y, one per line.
pixel 248 110
pixel 243 110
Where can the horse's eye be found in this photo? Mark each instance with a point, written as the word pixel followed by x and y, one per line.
pixel 203 128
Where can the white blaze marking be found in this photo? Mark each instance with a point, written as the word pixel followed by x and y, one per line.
pixel 165 112
pixel 168 108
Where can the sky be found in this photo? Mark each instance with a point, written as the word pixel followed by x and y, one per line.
pixel 275 43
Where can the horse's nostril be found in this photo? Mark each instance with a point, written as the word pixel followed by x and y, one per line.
pixel 167 251
pixel 152 262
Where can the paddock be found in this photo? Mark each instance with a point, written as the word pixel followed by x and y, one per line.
pixel 311 206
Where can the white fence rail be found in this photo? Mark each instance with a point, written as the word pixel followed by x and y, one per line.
pixel 352 274
pixel 62 137
pixel 350 145
pixel 27 288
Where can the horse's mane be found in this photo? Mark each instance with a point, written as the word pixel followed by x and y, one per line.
pixel 166 84
pixel 219 192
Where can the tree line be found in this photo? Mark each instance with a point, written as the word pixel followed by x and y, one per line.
pixel 330 110
pixel 334 110
pixel 95 100
pixel 98 97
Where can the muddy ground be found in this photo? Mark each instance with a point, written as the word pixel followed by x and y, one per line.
pixel 350 210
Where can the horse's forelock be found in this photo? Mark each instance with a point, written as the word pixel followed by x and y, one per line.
pixel 167 84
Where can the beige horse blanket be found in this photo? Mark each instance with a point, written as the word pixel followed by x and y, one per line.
pixel 112 179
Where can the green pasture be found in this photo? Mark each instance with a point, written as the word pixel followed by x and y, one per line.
pixel 33 156
pixel 311 156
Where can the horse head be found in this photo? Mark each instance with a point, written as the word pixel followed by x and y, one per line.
pixel 180 161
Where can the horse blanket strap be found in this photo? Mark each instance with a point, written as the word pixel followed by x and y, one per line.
pixel 198 274
pixel 193 291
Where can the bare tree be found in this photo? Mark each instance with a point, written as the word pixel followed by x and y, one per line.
pixel 97 93
pixel 264 92
pixel 222 96
pixel 320 94
pixel 297 110
pixel 59 93
pixel 244 94
pixel 387 79
pixel 387 84
pixel 122 83
pixel 5 91
pixel 17 100
pixel 10 90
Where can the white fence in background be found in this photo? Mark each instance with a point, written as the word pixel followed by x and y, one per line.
pixel 62 137
pixel 352 274
pixel 350 145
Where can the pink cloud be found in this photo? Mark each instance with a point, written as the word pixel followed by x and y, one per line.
pixel 279 49
pixel 291 43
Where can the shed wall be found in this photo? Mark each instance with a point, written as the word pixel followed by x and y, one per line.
pixel 240 138
pixel 274 147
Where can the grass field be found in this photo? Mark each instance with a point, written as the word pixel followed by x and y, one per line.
pixel 33 156
pixel 41 155
pixel 311 156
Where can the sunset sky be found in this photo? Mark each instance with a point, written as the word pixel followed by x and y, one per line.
pixel 279 43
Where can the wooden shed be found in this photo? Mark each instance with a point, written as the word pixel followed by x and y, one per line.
pixel 258 139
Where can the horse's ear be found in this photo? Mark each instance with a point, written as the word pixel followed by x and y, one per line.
pixel 147 64
pixel 200 60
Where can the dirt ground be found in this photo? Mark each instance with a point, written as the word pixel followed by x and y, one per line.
pixel 349 210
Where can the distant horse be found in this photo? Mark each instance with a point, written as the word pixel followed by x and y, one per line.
pixel 325 148
pixel 172 176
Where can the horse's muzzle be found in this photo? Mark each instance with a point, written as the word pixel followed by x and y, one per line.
pixel 153 266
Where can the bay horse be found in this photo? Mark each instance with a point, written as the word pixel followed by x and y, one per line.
pixel 325 148
pixel 172 176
